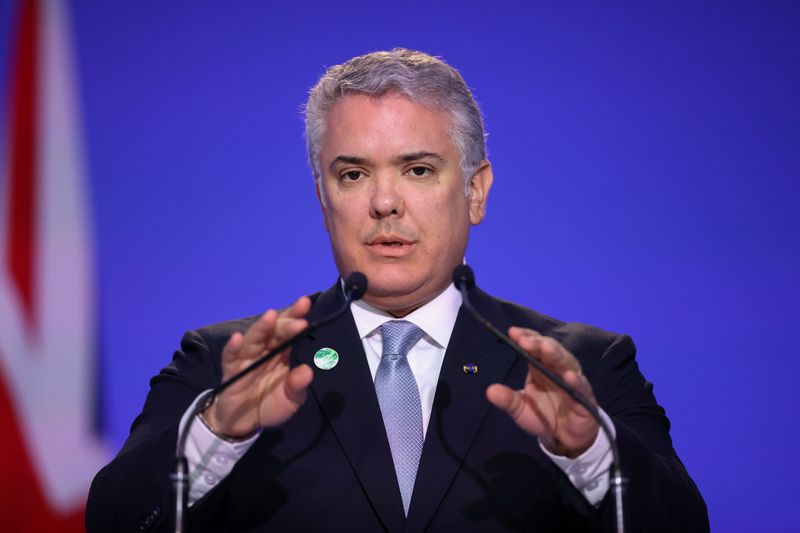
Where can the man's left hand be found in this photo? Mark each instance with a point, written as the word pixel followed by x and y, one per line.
pixel 543 409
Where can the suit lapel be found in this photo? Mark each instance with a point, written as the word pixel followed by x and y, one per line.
pixel 460 405
pixel 347 398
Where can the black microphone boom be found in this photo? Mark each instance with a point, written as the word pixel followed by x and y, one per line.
pixel 464 280
pixel 355 286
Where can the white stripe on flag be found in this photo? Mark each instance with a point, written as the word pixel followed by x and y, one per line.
pixel 50 374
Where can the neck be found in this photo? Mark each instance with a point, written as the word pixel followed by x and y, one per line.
pixel 400 308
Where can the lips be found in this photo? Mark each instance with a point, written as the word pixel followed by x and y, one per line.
pixel 390 245
pixel 388 240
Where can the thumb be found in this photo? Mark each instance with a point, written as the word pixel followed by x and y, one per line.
pixel 506 399
pixel 297 383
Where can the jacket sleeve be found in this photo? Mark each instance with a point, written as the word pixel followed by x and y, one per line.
pixel 134 491
pixel 660 495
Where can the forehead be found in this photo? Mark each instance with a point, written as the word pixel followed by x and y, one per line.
pixel 359 124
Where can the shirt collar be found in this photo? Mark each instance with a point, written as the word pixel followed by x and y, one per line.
pixel 436 318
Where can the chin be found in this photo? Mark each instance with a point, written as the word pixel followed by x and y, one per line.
pixel 380 287
pixel 399 292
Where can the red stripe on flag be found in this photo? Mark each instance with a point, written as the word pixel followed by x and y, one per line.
pixel 22 188
pixel 22 503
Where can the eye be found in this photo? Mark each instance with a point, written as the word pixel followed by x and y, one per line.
pixel 352 175
pixel 419 172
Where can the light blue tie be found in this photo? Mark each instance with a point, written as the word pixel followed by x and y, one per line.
pixel 398 396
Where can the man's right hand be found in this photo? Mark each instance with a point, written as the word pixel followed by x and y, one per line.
pixel 271 394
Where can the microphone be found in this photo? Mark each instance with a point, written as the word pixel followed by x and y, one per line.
pixel 464 280
pixel 355 286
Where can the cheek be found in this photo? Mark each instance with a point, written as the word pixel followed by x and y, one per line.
pixel 343 222
pixel 449 212
pixel 446 226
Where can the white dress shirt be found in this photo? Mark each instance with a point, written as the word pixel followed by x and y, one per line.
pixel 425 358
pixel 211 458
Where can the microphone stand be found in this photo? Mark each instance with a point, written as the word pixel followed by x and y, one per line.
pixel 354 288
pixel 464 280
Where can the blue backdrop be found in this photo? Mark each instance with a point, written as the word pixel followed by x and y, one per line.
pixel 646 163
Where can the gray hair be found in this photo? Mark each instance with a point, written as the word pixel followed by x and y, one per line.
pixel 421 78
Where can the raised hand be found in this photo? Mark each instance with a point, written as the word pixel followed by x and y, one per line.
pixel 272 393
pixel 541 408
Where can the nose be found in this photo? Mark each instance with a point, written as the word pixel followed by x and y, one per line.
pixel 386 198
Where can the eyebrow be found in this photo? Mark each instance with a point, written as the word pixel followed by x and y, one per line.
pixel 348 159
pixel 415 156
pixel 405 158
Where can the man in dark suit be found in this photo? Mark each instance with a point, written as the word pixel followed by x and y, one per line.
pixel 395 429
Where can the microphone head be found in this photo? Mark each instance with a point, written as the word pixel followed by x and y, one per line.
pixel 355 285
pixel 464 278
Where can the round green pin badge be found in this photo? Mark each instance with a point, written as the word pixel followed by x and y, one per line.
pixel 326 358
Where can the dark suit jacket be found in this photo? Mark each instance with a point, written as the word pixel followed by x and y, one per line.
pixel 329 467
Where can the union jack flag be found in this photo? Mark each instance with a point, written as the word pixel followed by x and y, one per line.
pixel 49 444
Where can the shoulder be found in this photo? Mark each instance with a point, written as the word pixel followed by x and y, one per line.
pixel 607 358
pixel 577 337
pixel 227 327
pixel 214 336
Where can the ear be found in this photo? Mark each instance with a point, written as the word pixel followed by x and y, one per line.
pixel 479 187
pixel 321 204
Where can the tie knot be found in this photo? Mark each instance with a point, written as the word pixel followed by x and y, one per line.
pixel 399 336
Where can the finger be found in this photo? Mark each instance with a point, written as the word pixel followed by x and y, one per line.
pixel 287 327
pixel 506 399
pixel 299 309
pixel 232 361
pixel 257 335
pixel 297 383
pixel 573 379
pixel 579 382
pixel 232 348
pixel 515 332
pixel 546 349
pixel 291 321
pixel 556 356
pixel 531 341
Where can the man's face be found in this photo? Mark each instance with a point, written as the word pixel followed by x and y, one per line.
pixel 395 206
